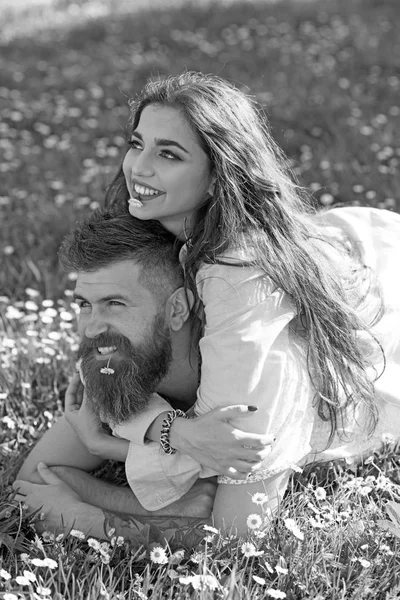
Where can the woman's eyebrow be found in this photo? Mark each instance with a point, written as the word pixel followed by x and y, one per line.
pixel 162 141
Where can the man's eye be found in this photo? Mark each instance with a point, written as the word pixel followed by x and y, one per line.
pixel 83 305
pixel 116 303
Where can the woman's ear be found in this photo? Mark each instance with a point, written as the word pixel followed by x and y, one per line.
pixel 211 187
pixel 178 308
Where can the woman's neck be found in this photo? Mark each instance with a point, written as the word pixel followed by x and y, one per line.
pixel 181 228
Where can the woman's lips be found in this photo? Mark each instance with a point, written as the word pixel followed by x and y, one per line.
pixel 137 198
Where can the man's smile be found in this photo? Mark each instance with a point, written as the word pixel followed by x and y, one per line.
pixel 106 350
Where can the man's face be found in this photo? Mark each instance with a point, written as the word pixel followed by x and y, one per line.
pixel 125 347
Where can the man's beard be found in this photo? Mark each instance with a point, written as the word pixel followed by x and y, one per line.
pixel 138 370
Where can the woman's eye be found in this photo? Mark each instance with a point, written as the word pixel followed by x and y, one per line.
pixel 134 143
pixel 169 155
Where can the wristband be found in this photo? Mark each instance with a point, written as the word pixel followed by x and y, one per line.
pixel 166 427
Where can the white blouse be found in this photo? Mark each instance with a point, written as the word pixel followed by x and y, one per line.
pixel 251 354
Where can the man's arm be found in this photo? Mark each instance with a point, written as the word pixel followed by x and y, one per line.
pixel 62 509
pixel 60 446
pixel 197 502
pixel 177 532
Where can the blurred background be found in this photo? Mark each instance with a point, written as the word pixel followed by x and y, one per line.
pixel 327 73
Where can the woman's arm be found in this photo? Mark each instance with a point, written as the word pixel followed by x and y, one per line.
pixel 212 441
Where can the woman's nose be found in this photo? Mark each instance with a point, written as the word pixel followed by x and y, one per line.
pixel 142 166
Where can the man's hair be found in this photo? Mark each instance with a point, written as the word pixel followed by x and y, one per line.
pixel 108 237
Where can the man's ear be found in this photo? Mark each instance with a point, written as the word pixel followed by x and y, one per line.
pixel 178 308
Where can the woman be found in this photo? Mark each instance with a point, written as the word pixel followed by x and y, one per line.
pixel 299 312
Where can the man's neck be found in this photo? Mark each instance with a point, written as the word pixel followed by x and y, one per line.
pixel 181 382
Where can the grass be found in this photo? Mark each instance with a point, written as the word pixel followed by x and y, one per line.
pixel 327 74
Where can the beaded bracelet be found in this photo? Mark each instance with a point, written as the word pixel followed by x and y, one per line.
pixel 166 427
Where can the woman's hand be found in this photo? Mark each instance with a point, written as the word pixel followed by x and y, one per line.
pixel 214 442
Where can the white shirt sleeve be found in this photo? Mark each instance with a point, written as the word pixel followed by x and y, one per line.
pixel 135 429
pixel 157 479
pixel 251 355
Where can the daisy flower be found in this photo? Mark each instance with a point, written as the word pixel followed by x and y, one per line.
pixel 5 574
pixel 259 580
pixel 22 580
pixel 364 563
pixel 275 593
pixel 201 582
pixel 259 498
pixel 254 521
pixel 43 591
pixel 158 556
pixel 296 468
pixel 78 534
pixel 281 570
pixel 210 529
pixel 320 493
pixel 50 563
pixel 117 541
pixel 197 557
pixel 95 544
pixel 293 528
pixel 249 550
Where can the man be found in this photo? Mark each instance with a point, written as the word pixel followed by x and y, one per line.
pixel 136 339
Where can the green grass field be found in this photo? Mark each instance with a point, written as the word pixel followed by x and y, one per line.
pixel 328 74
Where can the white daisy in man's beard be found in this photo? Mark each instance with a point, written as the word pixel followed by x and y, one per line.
pixel 138 369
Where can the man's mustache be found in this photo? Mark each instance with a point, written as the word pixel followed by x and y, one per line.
pixel 104 340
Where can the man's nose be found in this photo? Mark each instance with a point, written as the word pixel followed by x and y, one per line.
pixel 95 327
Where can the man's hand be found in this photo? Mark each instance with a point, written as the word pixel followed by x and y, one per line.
pixel 88 426
pixel 197 502
pixel 81 417
pixel 57 503
pixel 213 441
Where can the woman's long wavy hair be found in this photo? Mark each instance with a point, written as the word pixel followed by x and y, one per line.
pixel 257 206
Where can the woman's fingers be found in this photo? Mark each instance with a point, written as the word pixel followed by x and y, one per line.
pixel 232 411
pixel 253 440
pixel 253 454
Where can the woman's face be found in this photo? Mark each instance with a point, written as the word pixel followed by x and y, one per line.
pixel 167 173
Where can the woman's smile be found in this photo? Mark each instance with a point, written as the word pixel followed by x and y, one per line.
pixel 168 174
pixel 143 192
